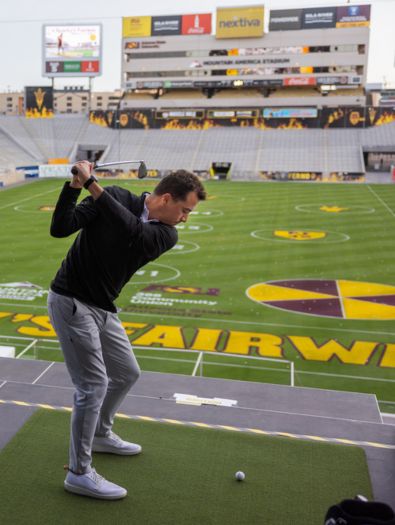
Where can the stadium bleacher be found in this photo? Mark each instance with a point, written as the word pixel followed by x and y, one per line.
pixel 32 141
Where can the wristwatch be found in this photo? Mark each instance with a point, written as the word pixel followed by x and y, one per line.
pixel 91 179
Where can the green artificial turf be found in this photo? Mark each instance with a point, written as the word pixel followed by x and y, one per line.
pixel 185 475
pixel 228 258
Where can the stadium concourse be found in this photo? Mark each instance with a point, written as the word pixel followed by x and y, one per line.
pixel 27 142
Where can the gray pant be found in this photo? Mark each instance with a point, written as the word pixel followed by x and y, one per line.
pixel 102 366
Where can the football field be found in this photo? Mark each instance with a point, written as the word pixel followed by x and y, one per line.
pixel 294 272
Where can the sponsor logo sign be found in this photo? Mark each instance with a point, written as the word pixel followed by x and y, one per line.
pixel 158 299
pixel 353 16
pixel 332 80
pixel 319 18
pixel 290 113
pixel 166 25
pixel 136 26
pixel 285 19
pixel 54 170
pixel 132 45
pixel 54 67
pixel 196 24
pixel 90 66
pixel 21 291
pixel 183 290
pixel 239 22
pixel 65 47
pixel 299 81
pixel 72 67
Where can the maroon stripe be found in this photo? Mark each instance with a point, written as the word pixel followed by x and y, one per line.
pixel 310 285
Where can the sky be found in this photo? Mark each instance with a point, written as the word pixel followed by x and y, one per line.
pixel 21 34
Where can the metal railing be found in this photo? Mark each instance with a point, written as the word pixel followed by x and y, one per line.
pixel 26 344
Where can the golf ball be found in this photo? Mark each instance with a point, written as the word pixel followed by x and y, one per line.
pixel 240 476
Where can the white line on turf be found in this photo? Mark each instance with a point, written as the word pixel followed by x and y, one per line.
pixel 381 200
pixel 232 321
pixel 340 299
pixel 3 383
pixel 43 372
pixel 29 198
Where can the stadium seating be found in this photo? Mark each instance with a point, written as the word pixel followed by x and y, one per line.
pixel 29 141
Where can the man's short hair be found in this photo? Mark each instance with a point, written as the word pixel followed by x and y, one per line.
pixel 179 183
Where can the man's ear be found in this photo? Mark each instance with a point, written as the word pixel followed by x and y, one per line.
pixel 166 198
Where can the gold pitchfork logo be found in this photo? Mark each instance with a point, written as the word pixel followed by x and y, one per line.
pixel 39 94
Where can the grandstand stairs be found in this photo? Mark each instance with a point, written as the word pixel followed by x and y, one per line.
pixel 298 413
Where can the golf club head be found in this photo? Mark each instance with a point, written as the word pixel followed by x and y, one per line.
pixel 142 172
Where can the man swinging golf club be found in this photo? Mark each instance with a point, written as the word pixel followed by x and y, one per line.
pixel 119 232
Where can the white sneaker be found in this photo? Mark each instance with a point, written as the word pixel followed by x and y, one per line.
pixel 113 444
pixel 93 485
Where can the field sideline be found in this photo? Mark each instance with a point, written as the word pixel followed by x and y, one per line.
pixel 302 272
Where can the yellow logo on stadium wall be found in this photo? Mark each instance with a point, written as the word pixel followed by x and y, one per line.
pixel 299 235
pixel 136 26
pixel 123 119
pixel 239 22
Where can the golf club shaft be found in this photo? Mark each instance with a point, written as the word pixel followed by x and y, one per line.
pixel 118 163
pixel 142 171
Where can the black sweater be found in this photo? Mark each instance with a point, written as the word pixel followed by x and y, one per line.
pixel 112 245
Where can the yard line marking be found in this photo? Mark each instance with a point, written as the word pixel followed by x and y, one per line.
pixel 28 198
pixel 42 373
pixel 347 376
pixel 381 200
pixel 340 299
pixel 3 383
pixel 199 424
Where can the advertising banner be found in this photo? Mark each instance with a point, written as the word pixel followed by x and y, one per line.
pixel 54 67
pixel 239 22
pixel 67 47
pixel 199 24
pixel 55 170
pixel 166 25
pixel 285 19
pixel 38 101
pixel 136 26
pixel 353 16
pixel 319 18
pixel 290 113
pixel 260 118
pixel 299 81
pixel 330 79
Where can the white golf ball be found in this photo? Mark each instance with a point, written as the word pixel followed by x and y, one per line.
pixel 240 476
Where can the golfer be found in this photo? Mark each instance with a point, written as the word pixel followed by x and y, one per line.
pixel 119 232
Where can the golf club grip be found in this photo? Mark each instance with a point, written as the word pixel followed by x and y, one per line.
pixel 74 169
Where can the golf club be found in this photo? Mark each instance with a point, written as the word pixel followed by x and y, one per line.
pixel 142 171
